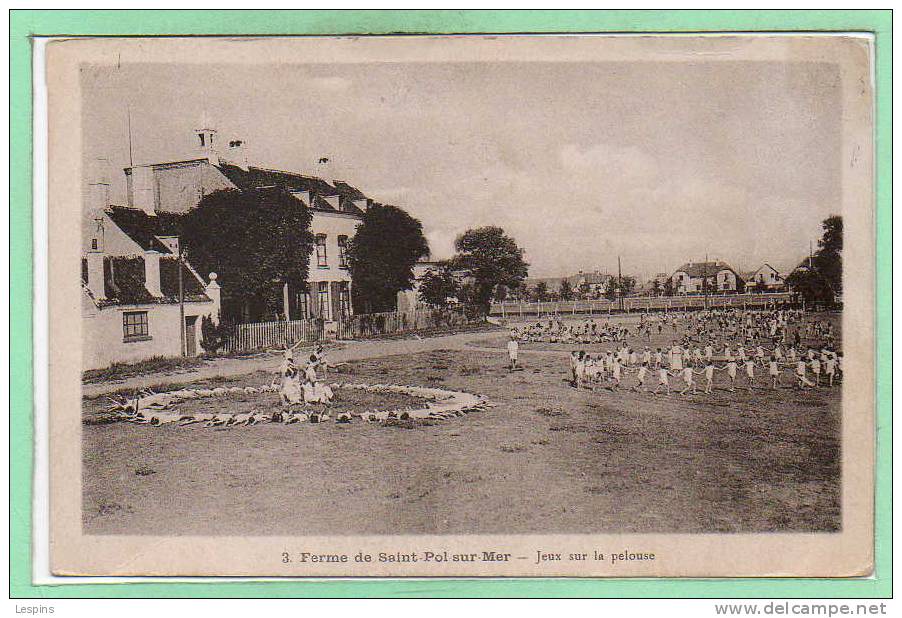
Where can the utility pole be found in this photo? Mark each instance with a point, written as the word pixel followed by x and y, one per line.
pixel 183 349
pixel 619 284
pixel 705 280
pixel 128 111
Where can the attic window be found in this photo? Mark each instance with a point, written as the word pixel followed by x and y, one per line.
pixel 202 140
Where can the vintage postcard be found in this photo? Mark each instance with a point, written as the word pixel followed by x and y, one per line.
pixel 461 306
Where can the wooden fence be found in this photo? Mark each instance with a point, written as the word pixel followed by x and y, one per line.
pixel 515 309
pixel 263 335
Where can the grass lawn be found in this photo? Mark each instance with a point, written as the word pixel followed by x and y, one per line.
pixel 547 459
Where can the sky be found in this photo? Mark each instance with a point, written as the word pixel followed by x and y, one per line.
pixel 658 163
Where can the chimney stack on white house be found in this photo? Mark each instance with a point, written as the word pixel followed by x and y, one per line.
pixel 95 274
pixel 152 272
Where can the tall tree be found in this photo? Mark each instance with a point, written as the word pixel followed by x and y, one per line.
pixel 491 258
pixel 828 259
pixel 256 241
pixel 585 290
pixel 820 277
pixel 381 257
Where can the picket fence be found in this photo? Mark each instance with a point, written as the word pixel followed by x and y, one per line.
pixel 263 335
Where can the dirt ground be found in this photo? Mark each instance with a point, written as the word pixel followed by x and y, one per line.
pixel 547 459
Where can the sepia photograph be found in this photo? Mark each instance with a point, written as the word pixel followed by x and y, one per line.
pixel 461 305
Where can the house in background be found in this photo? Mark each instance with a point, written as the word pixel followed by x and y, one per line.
pixel 130 291
pixel 765 279
pixel 409 300
pixel 595 282
pixel 721 277
pixel 337 208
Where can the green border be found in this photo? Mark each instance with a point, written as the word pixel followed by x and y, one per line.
pixel 25 23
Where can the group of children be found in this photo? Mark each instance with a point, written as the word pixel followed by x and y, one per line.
pixel 764 337
pixel 300 384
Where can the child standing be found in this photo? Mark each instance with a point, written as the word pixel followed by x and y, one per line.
pixel 688 380
pixel 663 380
pixel 773 370
pixel 513 350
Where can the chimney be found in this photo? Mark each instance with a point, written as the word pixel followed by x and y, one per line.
pixel 152 272
pixel 236 154
pixel 95 274
pixel 142 192
pixel 206 138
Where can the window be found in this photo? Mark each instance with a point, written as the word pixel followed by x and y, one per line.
pixel 134 326
pixel 342 251
pixel 303 302
pixel 322 259
pixel 94 244
pixel 344 299
pixel 323 296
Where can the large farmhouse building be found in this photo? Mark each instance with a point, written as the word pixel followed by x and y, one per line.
pixel 130 276
pixel 336 207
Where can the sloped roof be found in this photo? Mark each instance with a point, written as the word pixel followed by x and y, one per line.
pixel 124 282
pixel 258 178
pixel 142 227
pixel 346 190
pixel 697 270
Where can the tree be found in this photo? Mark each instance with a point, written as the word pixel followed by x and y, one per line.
pixel 213 336
pixel 540 292
pixel 381 257
pixel 584 290
pixel 656 287
pixel 619 288
pixel 490 258
pixel 819 279
pixel 257 241
pixel 668 287
pixel 566 290
pixel 828 259
pixel 611 289
pixel 438 286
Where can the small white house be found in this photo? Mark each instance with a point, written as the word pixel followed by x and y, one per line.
pixel 765 279
pixel 130 292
